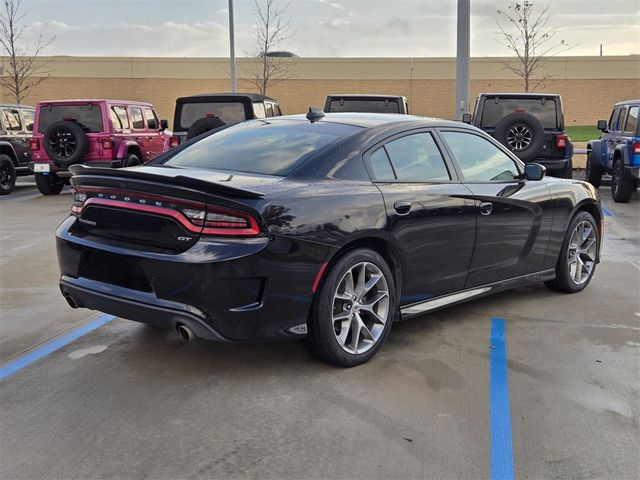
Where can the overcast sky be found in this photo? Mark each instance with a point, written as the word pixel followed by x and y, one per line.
pixel 347 28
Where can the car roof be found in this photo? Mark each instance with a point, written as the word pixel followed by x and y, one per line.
pixel 94 100
pixel 519 95
pixel 255 97
pixel 15 105
pixel 364 95
pixel 627 102
pixel 367 120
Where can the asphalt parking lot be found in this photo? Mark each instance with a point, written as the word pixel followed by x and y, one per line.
pixel 129 401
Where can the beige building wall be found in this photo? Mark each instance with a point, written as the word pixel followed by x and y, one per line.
pixel 588 85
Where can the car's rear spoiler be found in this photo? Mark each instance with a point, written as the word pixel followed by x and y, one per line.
pixel 214 188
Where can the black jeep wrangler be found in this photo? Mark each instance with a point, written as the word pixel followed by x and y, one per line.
pixel 16 127
pixel 197 114
pixel 367 103
pixel 531 125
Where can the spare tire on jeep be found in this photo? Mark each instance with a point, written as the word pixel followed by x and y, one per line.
pixel 65 142
pixel 522 133
pixel 203 125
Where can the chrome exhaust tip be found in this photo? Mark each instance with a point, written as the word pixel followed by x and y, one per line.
pixel 184 332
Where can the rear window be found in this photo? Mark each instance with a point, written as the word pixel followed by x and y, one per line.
pixel 87 116
pixel 366 106
pixel 228 112
pixel 261 147
pixel 545 111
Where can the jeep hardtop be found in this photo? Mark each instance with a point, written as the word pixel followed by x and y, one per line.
pixel 366 103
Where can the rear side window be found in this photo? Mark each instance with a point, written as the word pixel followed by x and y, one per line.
pixel 152 121
pixel 228 112
pixel 632 120
pixel 416 158
pixel 269 108
pixel 138 121
pixel 543 109
pixel 11 120
pixel 88 117
pixel 259 110
pixel 119 118
pixel 365 105
pixel 479 159
pixel 27 116
pixel 261 147
pixel 381 166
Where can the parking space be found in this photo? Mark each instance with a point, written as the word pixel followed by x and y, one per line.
pixel 128 400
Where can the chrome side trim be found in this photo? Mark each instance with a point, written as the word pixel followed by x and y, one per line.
pixel 442 301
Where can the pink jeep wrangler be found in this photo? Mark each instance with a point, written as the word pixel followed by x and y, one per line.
pixel 101 133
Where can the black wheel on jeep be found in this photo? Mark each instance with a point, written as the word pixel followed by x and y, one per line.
pixel 7 175
pixel 65 142
pixel 132 160
pixel 622 185
pixel 204 125
pixel 593 173
pixel 522 133
pixel 49 184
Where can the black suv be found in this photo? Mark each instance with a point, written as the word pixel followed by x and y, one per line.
pixel 531 125
pixel 366 103
pixel 197 114
pixel 16 127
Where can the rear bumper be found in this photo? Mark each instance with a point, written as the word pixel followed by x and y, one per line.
pixel 632 171
pixel 236 290
pixel 64 172
pixel 553 164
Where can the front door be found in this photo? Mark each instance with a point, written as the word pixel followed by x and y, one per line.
pixel 430 216
pixel 514 215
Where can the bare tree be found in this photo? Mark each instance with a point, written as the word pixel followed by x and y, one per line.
pixel 272 29
pixel 525 30
pixel 19 76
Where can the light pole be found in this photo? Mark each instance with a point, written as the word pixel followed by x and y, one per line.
pixel 462 60
pixel 232 48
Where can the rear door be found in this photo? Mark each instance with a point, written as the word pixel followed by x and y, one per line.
pixel 514 215
pixel 156 139
pixel 430 218
pixel 139 131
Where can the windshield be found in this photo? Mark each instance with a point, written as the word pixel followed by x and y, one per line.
pixel 365 105
pixel 228 112
pixel 261 147
pixel 544 112
pixel 87 116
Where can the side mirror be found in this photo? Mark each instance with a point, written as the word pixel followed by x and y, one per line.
pixel 466 118
pixel 164 124
pixel 534 171
pixel 602 125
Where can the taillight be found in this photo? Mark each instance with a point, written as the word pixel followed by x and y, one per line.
pixel 636 148
pixel 223 221
pixel 34 144
pixel 106 143
pixel 174 141
pixel 561 141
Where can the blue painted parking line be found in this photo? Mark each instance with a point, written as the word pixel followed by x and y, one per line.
pixel 607 212
pixel 51 346
pixel 499 409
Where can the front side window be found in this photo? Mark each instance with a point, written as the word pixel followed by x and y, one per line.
pixel 416 158
pixel 479 159
pixel 621 119
pixel 138 120
pixel 152 120
pixel 613 119
pixel 632 120
pixel 27 116
pixel 11 120
pixel 119 118
pixel 269 108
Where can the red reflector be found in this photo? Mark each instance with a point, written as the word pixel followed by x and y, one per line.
pixel 316 282
pixel 34 144
pixel 68 119
pixel 174 142
pixel 561 141
pixel 106 143
pixel 636 148
pixel 209 115
pixel 519 110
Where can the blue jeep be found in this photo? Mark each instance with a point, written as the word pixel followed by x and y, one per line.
pixel 617 152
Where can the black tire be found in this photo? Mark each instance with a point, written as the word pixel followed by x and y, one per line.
pixel 321 339
pixel 132 160
pixel 49 184
pixel 517 120
pixel 622 185
pixel 204 125
pixel 593 173
pixel 564 281
pixel 7 175
pixel 65 142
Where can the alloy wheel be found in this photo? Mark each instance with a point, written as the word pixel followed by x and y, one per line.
pixel 582 252
pixel 63 143
pixel 519 136
pixel 5 176
pixel 360 308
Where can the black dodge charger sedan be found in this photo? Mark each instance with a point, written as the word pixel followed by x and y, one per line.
pixel 322 227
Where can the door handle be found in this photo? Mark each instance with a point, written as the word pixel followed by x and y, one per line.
pixel 486 208
pixel 402 207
